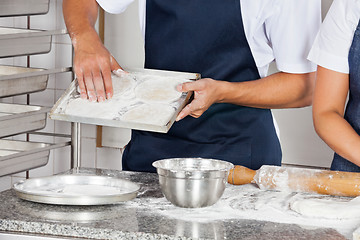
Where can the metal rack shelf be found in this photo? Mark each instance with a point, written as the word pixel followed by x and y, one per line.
pixel 21 42
pixel 21 80
pixel 18 156
pixel 16 119
pixel 11 8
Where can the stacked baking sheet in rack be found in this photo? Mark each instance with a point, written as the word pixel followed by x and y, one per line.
pixel 20 42
pixel 17 156
pixel 23 7
pixel 144 99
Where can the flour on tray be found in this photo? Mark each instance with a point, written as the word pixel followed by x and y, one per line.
pixel 138 98
pixel 83 107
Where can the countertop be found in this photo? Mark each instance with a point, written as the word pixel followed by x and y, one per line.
pixel 151 216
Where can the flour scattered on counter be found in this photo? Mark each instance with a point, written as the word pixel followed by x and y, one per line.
pixel 327 208
pixel 249 202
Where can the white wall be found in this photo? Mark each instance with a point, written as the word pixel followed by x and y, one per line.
pixel 300 143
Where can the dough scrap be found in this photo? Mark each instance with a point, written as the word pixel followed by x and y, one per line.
pixel 161 90
pixel 327 208
pixel 155 114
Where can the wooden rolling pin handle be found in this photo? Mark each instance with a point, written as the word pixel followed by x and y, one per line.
pixel 299 180
pixel 240 175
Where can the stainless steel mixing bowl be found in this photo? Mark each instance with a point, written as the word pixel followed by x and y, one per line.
pixel 192 182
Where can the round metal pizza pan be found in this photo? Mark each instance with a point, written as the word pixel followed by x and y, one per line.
pixel 71 189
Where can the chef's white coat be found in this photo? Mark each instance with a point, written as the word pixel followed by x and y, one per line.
pixel 332 45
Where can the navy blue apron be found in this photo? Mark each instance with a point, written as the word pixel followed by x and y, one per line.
pixel 207 37
pixel 352 113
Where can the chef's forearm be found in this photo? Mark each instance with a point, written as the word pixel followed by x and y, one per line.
pixel 280 90
pixel 80 18
pixel 338 134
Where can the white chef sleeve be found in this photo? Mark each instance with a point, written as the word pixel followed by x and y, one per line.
pixel 331 47
pixel 114 6
pixel 291 32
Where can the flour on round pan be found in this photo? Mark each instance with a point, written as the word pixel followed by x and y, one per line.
pixel 155 114
pixel 91 190
pixel 158 91
pixel 81 190
pixel 327 208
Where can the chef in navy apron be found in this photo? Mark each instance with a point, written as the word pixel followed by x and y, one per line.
pixel 337 52
pixel 233 42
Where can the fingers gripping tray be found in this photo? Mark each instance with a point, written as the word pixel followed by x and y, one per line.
pixel 143 99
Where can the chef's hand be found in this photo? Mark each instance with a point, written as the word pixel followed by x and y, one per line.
pixel 206 92
pixel 93 65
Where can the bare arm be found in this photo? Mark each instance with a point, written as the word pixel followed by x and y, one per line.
pixel 92 62
pixel 279 90
pixel 328 113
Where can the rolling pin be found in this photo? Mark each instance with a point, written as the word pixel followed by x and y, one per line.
pixel 298 180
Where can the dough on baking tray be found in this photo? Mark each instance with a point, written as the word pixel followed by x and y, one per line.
pixel 356 234
pixel 161 90
pixel 122 84
pixel 155 114
pixel 327 208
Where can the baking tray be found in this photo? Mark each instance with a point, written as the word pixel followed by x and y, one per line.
pixel 10 8
pixel 19 42
pixel 76 189
pixel 16 118
pixel 18 156
pixel 126 103
pixel 21 80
